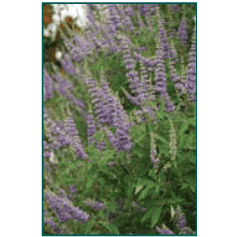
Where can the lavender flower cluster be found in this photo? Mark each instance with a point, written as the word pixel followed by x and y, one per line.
pixel 62 135
pixel 95 205
pixel 105 108
pixel 64 210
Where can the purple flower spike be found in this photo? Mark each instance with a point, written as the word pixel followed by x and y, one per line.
pixel 95 205
pixel 165 231
pixel 183 32
pixel 73 189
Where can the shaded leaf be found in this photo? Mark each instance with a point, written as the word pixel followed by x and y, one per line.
pixel 148 214
pixel 112 228
pixel 112 206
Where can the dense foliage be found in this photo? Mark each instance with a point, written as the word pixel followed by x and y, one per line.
pixel 120 124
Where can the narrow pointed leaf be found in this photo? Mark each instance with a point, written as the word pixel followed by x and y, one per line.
pixel 155 216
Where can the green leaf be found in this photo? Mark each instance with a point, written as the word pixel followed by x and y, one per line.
pixel 90 165
pixel 148 214
pixel 108 174
pixel 112 228
pixel 88 227
pixel 112 206
pixel 89 183
pixel 72 165
pixel 108 154
pixel 162 178
pixel 101 214
pixel 192 188
pixel 66 180
pixel 184 185
pixel 138 189
pixel 160 138
pixel 146 191
pixel 176 200
pixel 140 138
pixel 152 174
pixel 157 190
pixel 106 157
pixel 155 216
pixel 172 211
pixel 144 181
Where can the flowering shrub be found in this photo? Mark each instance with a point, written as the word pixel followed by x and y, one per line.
pixel 120 124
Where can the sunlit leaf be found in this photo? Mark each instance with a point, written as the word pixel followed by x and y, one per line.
pixel 146 191
pixel 160 138
pixel 155 216
pixel 138 189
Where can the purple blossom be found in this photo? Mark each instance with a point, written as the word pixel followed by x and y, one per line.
pixel 48 85
pixel 79 149
pixel 47 167
pixel 190 84
pixel 73 189
pixel 67 65
pixel 145 9
pixel 47 154
pixel 164 44
pixel 165 231
pixel 70 127
pixel 64 86
pixel 90 17
pixel 65 134
pixel 49 221
pixel 175 7
pixel 186 231
pixel 160 74
pixel 181 222
pixel 64 210
pixel 95 205
pixel 91 128
pixel 112 139
pixel 114 17
pixel 124 140
pixel 183 32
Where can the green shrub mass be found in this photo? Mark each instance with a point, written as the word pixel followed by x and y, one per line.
pixel 120 124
